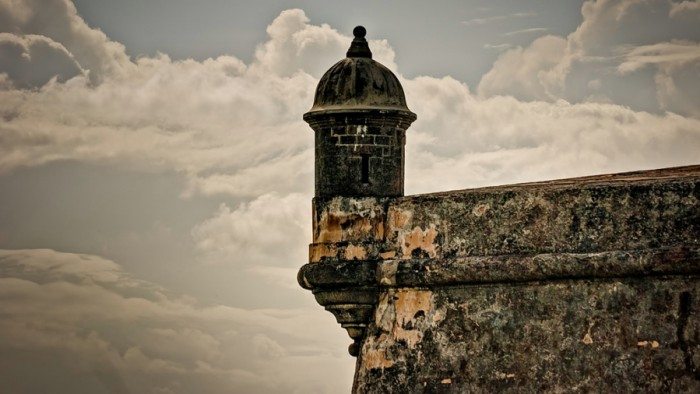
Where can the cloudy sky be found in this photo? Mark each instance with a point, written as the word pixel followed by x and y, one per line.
pixel 156 176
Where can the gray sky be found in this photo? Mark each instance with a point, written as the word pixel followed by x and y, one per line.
pixel 429 38
pixel 156 176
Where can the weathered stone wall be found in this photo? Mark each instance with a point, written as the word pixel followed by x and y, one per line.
pixel 585 284
pixel 609 335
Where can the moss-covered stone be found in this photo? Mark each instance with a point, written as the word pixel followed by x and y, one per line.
pixel 572 335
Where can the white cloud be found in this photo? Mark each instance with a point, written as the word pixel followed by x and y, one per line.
pixel 525 31
pixel 498 47
pixel 683 8
pixel 271 230
pixel 281 276
pixel 294 46
pixel 46 264
pixel 235 129
pixel 527 73
pixel 553 68
pixel 94 328
pixel 59 21
pixel 497 18
pixel 677 65
pixel 460 139
pixel 665 55
pixel 230 127
pixel 206 119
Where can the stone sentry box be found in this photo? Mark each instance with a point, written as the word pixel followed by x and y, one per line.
pixel 570 285
pixel 360 119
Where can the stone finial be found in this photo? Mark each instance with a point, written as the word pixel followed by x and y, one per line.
pixel 359 47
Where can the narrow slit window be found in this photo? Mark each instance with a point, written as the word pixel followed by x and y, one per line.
pixel 365 169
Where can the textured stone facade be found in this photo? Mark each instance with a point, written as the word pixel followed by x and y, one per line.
pixel 588 284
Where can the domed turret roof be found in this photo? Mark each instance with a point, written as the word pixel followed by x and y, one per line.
pixel 358 83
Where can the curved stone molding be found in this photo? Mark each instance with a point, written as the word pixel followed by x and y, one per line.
pixel 428 273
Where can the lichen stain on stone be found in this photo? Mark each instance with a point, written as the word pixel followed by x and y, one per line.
pixel 337 227
pixel 376 359
pixel 355 252
pixel 318 252
pixel 388 255
pixel 399 218
pixel 374 355
pixel 419 239
pixel 480 209
pixel 404 314
pixel 438 316
pixel 409 302
pixel 379 230
pixel 652 344
pixel 385 313
pixel 587 338
pixel 349 220
pixel 409 306
pixel 503 375
pixel 386 272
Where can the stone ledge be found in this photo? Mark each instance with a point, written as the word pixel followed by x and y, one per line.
pixel 504 268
